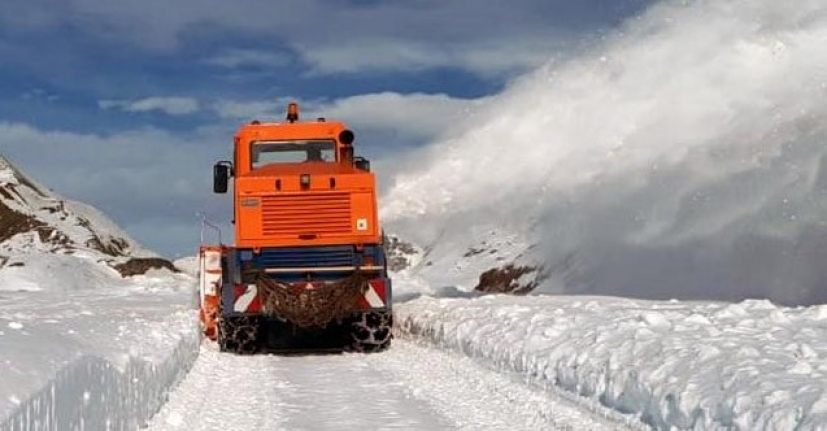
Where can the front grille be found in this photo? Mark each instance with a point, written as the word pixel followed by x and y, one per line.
pixel 306 214
pixel 300 257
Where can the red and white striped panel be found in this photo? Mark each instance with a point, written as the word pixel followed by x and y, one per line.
pixel 375 296
pixel 247 299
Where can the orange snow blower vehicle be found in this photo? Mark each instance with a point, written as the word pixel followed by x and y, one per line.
pixel 308 267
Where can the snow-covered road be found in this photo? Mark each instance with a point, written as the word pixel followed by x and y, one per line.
pixel 408 387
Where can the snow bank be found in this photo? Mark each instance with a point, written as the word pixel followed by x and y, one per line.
pixel 188 264
pixel 749 365
pixel 684 153
pixel 93 358
pixel 95 393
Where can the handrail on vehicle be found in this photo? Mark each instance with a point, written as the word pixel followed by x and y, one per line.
pixel 206 223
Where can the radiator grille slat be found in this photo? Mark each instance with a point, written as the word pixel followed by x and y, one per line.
pixel 317 213
pixel 306 257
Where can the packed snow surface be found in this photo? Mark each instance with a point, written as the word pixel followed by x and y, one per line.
pixel 409 387
pixel 673 365
pixel 683 156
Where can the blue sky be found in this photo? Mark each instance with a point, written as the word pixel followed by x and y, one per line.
pixel 125 105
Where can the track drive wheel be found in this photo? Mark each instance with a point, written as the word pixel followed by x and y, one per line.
pixel 370 331
pixel 238 334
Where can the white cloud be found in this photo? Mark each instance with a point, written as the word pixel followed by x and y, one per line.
pixel 483 57
pixel 411 117
pixel 39 94
pixel 235 58
pixel 388 125
pixel 371 53
pixel 139 177
pixel 416 115
pixel 249 110
pixel 167 105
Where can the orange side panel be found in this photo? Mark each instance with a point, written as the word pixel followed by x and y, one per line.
pixel 209 316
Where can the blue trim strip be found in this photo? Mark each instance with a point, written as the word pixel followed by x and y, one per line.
pixel 305 257
pixel 310 257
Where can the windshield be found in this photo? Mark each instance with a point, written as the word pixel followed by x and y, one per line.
pixel 265 152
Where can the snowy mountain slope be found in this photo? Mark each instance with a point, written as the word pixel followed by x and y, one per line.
pixel 682 157
pixel 44 221
pixel 673 365
pixel 81 343
pixel 37 226
pixel 458 264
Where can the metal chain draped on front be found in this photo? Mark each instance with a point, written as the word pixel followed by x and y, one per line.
pixel 311 307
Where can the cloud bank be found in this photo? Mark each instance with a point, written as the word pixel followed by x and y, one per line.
pixel 167 105
pixel 391 121
pixel 236 57
pixel 338 37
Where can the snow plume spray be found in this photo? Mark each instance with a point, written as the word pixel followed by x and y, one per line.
pixel 684 157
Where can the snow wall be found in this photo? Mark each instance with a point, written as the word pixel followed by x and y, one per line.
pixel 682 157
pixel 93 393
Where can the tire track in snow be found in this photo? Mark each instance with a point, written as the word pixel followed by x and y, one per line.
pixel 409 387
pixel 477 398
pixel 224 392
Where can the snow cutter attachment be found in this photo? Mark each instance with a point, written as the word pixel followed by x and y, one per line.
pixel 337 305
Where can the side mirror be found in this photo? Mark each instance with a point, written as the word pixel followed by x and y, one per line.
pixel 347 137
pixel 362 163
pixel 221 177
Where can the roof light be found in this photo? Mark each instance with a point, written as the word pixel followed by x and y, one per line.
pixel 292 112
